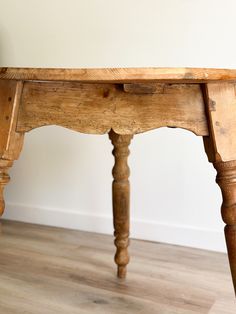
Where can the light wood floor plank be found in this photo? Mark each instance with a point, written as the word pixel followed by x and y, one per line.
pixel 53 270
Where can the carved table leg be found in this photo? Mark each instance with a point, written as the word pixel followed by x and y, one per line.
pixel 121 199
pixel 4 179
pixel 226 178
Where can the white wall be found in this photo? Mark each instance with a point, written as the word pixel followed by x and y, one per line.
pixel 63 178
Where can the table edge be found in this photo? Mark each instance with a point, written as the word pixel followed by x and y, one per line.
pixel 119 75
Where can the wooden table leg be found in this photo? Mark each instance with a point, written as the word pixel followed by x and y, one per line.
pixel 226 178
pixel 220 147
pixel 121 199
pixel 4 179
pixel 10 141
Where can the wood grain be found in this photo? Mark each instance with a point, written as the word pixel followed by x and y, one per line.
pixel 226 178
pixel 98 108
pixel 221 106
pixel 53 270
pixel 220 147
pixel 121 199
pixel 4 179
pixel 120 75
pixel 10 140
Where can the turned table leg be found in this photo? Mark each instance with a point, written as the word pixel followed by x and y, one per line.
pixel 226 178
pixel 220 147
pixel 10 141
pixel 121 199
pixel 4 179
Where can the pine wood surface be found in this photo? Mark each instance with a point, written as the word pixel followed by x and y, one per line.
pixel 119 75
pixel 221 106
pixel 121 199
pixel 52 270
pixel 96 108
pixel 10 141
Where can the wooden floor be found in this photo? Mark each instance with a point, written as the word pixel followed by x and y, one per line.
pixel 48 270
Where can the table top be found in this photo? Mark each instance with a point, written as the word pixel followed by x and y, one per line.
pixel 120 75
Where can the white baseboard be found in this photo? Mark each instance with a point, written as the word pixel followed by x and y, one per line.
pixel 146 230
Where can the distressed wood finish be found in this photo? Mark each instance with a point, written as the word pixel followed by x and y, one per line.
pixel 4 179
pixel 221 104
pixel 97 108
pixel 121 199
pixel 120 75
pixel 124 102
pixel 10 140
pixel 226 178
pixel 220 147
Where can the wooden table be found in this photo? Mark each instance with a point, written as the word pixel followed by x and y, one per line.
pixel 124 102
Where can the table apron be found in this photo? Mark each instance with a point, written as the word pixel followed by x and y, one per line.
pixel 98 108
